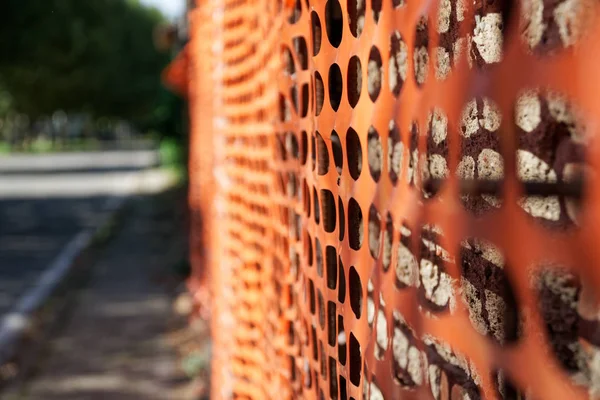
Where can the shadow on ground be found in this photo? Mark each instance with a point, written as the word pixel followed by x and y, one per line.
pixel 124 339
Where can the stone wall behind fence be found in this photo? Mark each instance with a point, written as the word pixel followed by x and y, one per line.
pixel 340 223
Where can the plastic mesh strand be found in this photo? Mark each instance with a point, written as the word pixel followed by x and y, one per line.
pixel 335 271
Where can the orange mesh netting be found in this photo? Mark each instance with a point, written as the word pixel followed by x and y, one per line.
pixel 388 197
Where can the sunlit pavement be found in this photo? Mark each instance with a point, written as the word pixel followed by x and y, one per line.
pixel 45 200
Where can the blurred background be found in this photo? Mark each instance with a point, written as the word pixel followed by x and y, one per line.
pixel 93 203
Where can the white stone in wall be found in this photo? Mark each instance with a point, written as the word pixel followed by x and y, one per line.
pixel 434 373
pixel 568 17
pixel 442 63
pixel 395 154
pixel 412 170
pixel 370 303
pixel 533 21
pixel 415 365
pixel 532 168
pixel 438 167
pixel 445 9
pixel 528 111
pixel 491 116
pixel 466 168
pixel 400 345
pixel 406 266
pixel 381 333
pixel 561 111
pixel 439 125
pixel 375 154
pixel 421 63
pixel 374 393
pixel 473 300
pixel 487 36
pixel 490 166
pixel 469 120
pixel 460 10
pixel 437 284
pixel 398 63
pixel 496 308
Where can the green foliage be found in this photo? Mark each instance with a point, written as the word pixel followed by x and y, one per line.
pixel 93 56
pixel 171 152
pixel 173 157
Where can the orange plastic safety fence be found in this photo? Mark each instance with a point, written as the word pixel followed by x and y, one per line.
pixel 336 151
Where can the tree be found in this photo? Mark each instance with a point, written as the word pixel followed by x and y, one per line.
pixel 94 56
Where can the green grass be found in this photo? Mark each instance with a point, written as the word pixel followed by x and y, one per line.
pixel 43 145
pixel 172 158
pixel 4 148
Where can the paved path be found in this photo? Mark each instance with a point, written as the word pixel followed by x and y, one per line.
pixel 117 344
pixel 45 200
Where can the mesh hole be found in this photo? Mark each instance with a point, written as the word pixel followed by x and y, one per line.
pixel 487 291
pixel 313 152
pixel 404 344
pixel 304 101
pixel 355 225
pixel 388 237
pixel 405 267
pixel 354 153
pixel 311 295
pixel 336 86
pixel 304 148
pixel 308 248
pixel 421 52
pixel 328 204
pixel 356 15
pixel 341 340
pixel 322 155
pixel 301 51
pixel 306 199
pixel 323 358
pixel 338 153
pixel 374 153
pixel 331 317
pixel 319 257
pixel 321 309
pixel 291 145
pixel 374 231
pixel 319 93
pixel 333 387
pixel 342 219
pixel 284 109
pixel 342 279
pixel 332 267
pixel 343 388
pixel 558 299
pixel 288 61
pixel 296 12
pixel 315 348
pixel 334 22
pixel 316 209
pixel 376 8
pixel 354 80
pixel 398 63
pixel 316 32
pixel 355 361
pixel 395 153
pixel 355 292
pixel 374 74
pixel 294 95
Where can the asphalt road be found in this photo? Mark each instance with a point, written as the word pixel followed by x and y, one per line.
pixel 45 200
